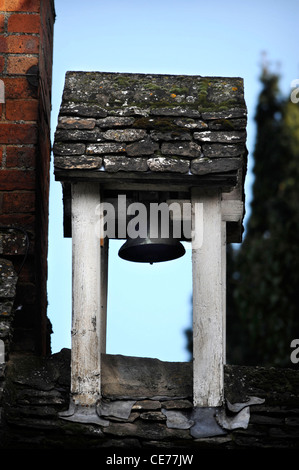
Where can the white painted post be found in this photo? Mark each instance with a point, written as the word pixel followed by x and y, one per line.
pixel 208 279
pixel 2 351
pixel 86 316
pixel 104 291
pixel 232 211
pixel 223 267
pixel 2 92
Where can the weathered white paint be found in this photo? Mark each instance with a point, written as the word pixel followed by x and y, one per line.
pixel 104 291
pixel 223 286
pixel 2 92
pixel 90 276
pixel 208 314
pixel 86 296
pixel 232 210
pixel 2 351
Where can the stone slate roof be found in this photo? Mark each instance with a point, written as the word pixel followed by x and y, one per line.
pixel 150 124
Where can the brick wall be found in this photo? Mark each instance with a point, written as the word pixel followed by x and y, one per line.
pixel 26 53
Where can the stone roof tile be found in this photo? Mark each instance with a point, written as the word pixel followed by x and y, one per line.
pixel 161 117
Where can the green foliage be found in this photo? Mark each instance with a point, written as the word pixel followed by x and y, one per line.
pixel 263 305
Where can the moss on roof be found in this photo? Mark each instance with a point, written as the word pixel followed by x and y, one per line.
pixel 119 90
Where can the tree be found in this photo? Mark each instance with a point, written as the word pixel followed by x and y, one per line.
pixel 264 275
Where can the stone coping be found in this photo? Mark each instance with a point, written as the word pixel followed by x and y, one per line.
pixel 37 394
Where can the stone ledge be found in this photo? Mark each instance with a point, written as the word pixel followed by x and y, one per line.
pixel 143 406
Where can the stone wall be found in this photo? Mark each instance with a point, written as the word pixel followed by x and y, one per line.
pixel 147 405
pixel 8 281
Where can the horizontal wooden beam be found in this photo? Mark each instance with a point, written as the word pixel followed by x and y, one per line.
pixel 150 181
pixel 232 211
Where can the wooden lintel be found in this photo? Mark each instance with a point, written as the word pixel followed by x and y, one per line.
pixel 232 210
pixel 150 181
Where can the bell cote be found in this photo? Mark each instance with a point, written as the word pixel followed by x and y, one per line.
pixel 177 142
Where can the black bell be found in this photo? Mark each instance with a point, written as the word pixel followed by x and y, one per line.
pixel 152 249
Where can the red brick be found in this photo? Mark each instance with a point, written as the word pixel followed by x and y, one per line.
pixel 21 157
pixel 26 292
pixel 12 180
pixel 1 153
pixel 19 202
pixel 26 110
pixel 27 273
pixel 20 5
pixel 19 44
pixel 2 63
pixel 2 20
pixel 16 88
pixel 26 221
pixel 20 65
pixel 18 133
pixel 20 23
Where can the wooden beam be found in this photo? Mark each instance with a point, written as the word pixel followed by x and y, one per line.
pixel 208 314
pixel 86 315
pixel 232 211
pixel 150 181
pixel 104 243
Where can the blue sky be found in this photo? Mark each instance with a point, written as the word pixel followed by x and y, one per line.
pixel 150 306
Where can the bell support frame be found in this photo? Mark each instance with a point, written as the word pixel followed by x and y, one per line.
pixel 133 132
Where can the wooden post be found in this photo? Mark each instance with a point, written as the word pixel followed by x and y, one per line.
pixel 86 315
pixel 208 312
pixel 104 291
pixel 232 210
pixel 223 268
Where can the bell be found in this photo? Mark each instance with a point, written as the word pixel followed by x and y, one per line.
pixel 148 250
pixel 151 250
